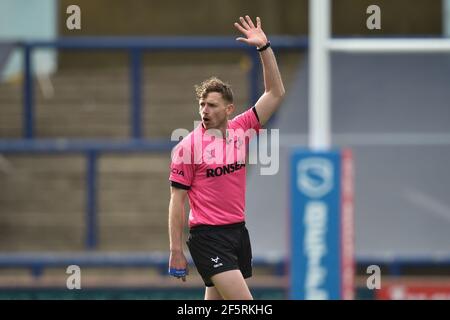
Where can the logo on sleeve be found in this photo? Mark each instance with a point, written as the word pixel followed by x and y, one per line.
pixel 178 172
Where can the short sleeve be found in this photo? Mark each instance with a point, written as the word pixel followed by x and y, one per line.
pixel 247 120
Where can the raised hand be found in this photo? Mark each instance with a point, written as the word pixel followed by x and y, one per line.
pixel 253 35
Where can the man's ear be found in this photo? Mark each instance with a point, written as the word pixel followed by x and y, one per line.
pixel 230 109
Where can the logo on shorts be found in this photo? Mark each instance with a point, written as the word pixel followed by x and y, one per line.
pixel 216 262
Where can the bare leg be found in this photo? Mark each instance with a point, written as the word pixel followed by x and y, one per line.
pixel 231 285
pixel 211 293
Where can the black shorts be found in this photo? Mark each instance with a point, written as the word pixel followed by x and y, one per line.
pixel 217 249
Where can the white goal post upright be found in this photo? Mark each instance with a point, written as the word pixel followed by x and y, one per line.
pixel 446 17
pixel 319 75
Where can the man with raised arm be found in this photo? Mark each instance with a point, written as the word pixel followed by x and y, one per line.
pixel 208 167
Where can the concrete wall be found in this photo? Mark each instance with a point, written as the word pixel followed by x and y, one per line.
pixel 212 17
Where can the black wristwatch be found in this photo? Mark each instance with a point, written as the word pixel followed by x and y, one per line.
pixel 264 47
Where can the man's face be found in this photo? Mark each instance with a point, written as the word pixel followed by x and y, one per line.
pixel 214 111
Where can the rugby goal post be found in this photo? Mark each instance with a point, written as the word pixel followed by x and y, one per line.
pixel 321 199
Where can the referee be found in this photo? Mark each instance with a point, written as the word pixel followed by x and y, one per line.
pixel 208 167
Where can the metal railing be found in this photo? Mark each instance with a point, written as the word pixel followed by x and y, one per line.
pixel 135 46
pixel 92 148
pixel 37 262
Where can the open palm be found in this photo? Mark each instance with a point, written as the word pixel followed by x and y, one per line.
pixel 254 35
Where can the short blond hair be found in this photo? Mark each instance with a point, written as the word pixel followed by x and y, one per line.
pixel 214 84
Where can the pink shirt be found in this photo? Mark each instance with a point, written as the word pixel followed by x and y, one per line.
pixel 212 169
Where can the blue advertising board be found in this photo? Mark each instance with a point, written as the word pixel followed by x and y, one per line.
pixel 315 225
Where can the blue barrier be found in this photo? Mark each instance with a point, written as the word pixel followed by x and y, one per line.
pixel 84 145
pixel 136 46
pixel 39 261
pixel 92 148
pixel 397 263
pixel 36 262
